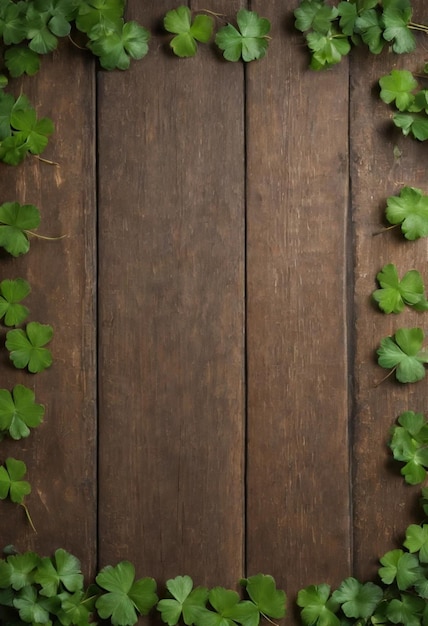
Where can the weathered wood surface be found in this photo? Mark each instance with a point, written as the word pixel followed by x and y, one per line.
pixel 213 407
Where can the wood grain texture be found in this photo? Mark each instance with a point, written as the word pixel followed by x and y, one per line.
pixel 60 454
pixel 298 474
pixel 383 504
pixel 171 227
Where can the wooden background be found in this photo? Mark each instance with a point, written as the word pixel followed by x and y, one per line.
pixel 212 408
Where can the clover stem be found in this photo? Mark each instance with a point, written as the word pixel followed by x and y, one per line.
pixel 386 377
pixel 76 44
pixel 421 27
pixel 268 619
pixel 384 230
pixel 27 513
pixel 46 160
pixel 33 234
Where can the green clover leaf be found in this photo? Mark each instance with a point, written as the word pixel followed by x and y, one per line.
pixel 410 209
pixel 18 571
pixel 395 293
pixel 11 483
pixel 417 541
pixel 179 22
pixel 414 123
pixel 401 567
pixel 397 87
pixel 409 444
pixel 33 132
pixel 30 607
pixel 396 28
pixel 19 412
pixel 62 570
pixel 406 610
pixel 27 347
pixel 403 354
pixel 368 25
pixel 20 60
pixel 249 42
pixel 269 600
pixel 93 12
pixel 15 222
pixel 358 600
pixel 327 50
pixel 125 597
pixel 186 602
pixel 314 14
pixel 116 43
pixel 318 607
pixel 11 294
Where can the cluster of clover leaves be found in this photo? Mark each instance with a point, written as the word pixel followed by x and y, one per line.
pixel 50 590
pixel 401 597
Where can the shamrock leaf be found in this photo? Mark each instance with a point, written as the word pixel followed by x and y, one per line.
pixel 185 601
pixel 406 610
pixel 126 597
pixel 41 39
pixel 178 21
pixel 18 570
pixel 314 14
pixel 12 23
pixel 93 12
pixel 358 600
pixel 27 347
pixel 414 123
pixel 30 607
pixel 409 444
pixel 317 606
pixel 249 42
pixel 395 293
pixel 21 60
pixel 117 43
pixel 33 132
pixel 11 293
pixel 368 25
pixel 11 484
pixel 396 28
pixel 410 209
pixel 15 222
pixel 327 50
pixel 403 354
pixel 19 412
pixel 397 87
pixel 75 609
pixel 401 567
pixel 62 570
pixel 269 600
pixel 417 541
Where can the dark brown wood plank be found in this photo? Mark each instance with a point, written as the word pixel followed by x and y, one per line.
pixel 383 505
pixel 171 224
pixel 298 472
pixel 61 454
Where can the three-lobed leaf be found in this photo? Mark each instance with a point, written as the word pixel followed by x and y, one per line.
pixel 27 347
pixel 187 32
pixel 358 600
pixel 403 353
pixel 318 606
pixel 11 483
pixel 394 293
pixel 11 294
pixel 125 598
pixel 16 221
pixel 19 411
pixel 410 210
pixel 186 603
pixel 248 41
